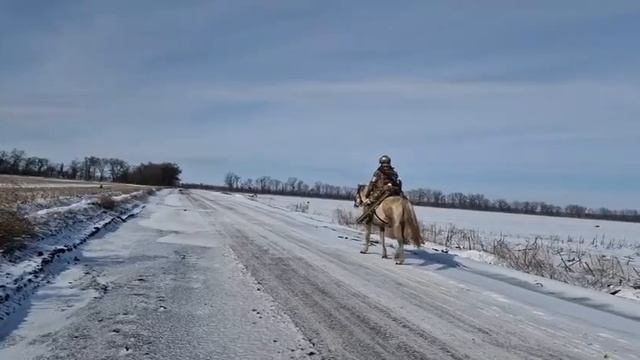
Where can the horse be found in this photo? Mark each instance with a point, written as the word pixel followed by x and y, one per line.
pixel 395 213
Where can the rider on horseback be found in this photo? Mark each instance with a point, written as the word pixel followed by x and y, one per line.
pixel 385 182
pixel 387 208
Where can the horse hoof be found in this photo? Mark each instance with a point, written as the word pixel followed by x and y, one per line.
pixel 363 251
pixel 385 257
pixel 399 262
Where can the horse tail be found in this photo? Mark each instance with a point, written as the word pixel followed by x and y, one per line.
pixel 403 232
pixel 410 225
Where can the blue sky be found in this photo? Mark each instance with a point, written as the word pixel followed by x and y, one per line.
pixel 521 100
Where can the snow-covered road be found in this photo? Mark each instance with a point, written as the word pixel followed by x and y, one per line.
pixel 204 275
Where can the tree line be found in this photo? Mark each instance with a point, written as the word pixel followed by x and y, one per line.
pixel 421 196
pixel 268 185
pixel 458 200
pixel 91 168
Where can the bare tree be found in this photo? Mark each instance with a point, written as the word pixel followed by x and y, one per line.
pixel 4 162
pixel 118 169
pixel 101 167
pixel 60 170
pixel 29 166
pixel 16 157
pixel 74 169
pixel 89 167
pixel 291 184
pixel 575 211
pixel 502 205
pixel 299 186
pixel 231 180
pixel 263 183
pixel 247 185
pixel 276 185
pixel 41 165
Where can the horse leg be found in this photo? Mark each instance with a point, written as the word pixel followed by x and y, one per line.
pixel 367 240
pixel 399 255
pixel 382 241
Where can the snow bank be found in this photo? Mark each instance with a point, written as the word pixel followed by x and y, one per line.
pixel 126 197
pixel 633 294
pixel 58 232
pixel 60 209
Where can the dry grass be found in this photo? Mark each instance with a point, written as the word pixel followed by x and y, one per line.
pixel 107 202
pixel 542 258
pixel 14 192
pixel 302 207
pixel 14 229
pixel 553 259
pixel 344 217
pixel 13 196
pixel 533 258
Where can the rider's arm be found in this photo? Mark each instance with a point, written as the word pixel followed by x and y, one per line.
pixel 372 183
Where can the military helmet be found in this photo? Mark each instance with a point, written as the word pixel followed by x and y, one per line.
pixel 385 160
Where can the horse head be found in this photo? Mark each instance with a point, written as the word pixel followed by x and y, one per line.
pixel 360 195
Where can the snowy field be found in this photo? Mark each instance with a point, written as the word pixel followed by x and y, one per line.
pixel 577 241
pixel 516 227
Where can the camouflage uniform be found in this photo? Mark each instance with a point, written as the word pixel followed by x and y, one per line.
pixel 385 182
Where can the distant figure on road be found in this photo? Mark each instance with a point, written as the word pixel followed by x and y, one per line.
pixel 386 207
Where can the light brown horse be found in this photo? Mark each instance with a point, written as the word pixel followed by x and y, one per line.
pixel 395 213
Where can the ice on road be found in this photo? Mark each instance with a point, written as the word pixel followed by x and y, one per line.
pixel 204 275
